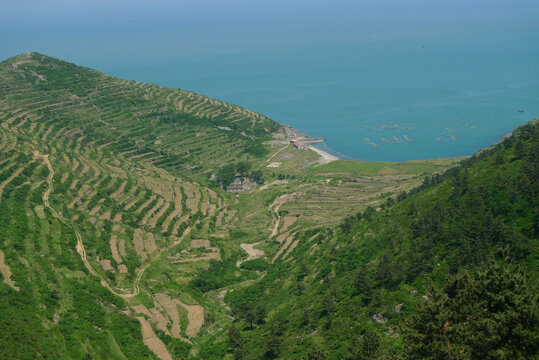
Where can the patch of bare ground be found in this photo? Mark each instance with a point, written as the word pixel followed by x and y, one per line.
pixel 141 309
pixel 275 182
pixel 139 244
pixel 6 273
pixel 94 211
pixel 149 243
pixel 292 247
pixel 9 179
pixel 133 202
pixel 281 237
pixel 159 320
pixel 117 217
pixel 75 165
pixel 114 249
pixel 122 269
pixel 152 211
pixel 74 184
pixel 195 315
pixel 121 247
pixel 287 222
pixel 252 253
pixel 169 219
pixel 146 203
pixel 105 216
pixel 153 220
pixel 152 341
pixel 230 215
pixel 64 178
pixel 207 257
pixel 276 205
pixel 200 243
pixel 178 223
pixel 171 307
pixel 115 195
pixel 106 265
pixel 283 248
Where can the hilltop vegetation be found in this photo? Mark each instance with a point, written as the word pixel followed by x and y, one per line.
pixel 115 242
pixel 351 289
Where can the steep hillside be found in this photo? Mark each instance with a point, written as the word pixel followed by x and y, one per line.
pixel 348 292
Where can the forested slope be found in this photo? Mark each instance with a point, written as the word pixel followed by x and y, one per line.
pixel 449 271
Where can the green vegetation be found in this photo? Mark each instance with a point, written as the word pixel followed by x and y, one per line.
pixel 365 280
pixel 384 168
pixel 117 242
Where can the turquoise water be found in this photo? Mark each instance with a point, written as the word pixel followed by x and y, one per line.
pixel 451 97
pixel 451 76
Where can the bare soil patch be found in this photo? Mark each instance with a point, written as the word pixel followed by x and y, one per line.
pixel 106 265
pixel 149 243
pixel 139 244
pixel 283 248
pixel 6 273
pixel 152 341
pixel 114 249
pixel 195 315
pixel 252 253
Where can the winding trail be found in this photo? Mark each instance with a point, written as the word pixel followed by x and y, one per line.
pixel 195 312
pixel 272 156
pixel 80 245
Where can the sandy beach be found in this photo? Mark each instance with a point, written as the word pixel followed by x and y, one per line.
pixel 326 157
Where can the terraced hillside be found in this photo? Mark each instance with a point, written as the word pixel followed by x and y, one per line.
pixel 99 178
pixel 115 243
pixel 55 101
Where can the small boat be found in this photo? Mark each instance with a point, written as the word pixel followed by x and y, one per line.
pixel 386 140
pixel 397 140
pixel 407 139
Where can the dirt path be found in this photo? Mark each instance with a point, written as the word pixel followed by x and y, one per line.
pixel 272 156
pixel 80 245
pixel 195 312
pixel 276 205
pixel 6 273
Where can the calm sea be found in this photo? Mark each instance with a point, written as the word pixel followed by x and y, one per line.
pixel 448 97
pixel 380 80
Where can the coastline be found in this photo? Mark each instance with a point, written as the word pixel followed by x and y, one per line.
pixel 325 156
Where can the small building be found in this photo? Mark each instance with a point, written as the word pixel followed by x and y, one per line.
pixel 238 185
pixel 297 144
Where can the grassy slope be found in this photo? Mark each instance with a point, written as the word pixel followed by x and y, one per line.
pixel 326 296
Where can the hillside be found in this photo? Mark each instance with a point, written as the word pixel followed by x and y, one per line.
pixel 350 291
pixel 115 242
